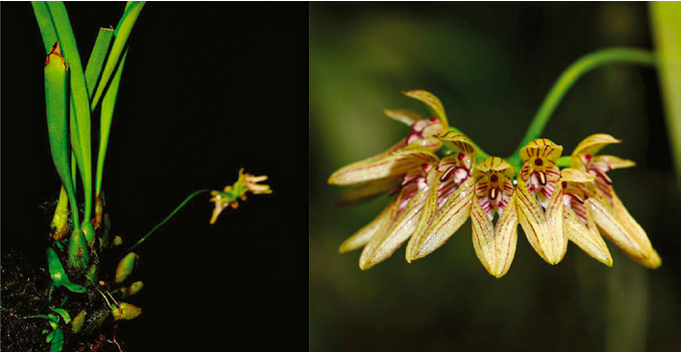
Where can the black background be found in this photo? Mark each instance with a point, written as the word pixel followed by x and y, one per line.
pixel 207 89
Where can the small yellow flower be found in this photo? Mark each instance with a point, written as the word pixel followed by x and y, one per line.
pixel 381 173
pixel 578 218
pixel 495 243
pixel 539 199
pixel 449 203
pixel 610 214
pixel 398 221
pixel 230 195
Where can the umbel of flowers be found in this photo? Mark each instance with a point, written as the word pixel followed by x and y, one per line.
pixel 432 197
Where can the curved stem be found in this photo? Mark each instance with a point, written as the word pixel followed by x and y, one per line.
pixel 169 216
pixel 568 79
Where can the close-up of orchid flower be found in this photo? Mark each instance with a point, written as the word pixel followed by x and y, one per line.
pixel 492 207
pixel 434 196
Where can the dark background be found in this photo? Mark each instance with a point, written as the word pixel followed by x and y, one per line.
pixel 491 64
pixel 207 89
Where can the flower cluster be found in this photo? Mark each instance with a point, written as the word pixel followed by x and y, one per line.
pixel 231 194
pixel 433 196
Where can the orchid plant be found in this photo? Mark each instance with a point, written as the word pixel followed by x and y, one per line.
pixel 73 96
pixel 439 178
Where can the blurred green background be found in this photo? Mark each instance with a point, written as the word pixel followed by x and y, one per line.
pixel 491 64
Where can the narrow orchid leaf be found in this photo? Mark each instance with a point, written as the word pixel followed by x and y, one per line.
pixel 45 23
pixel 105 122
pixel 79 97
pixel 123 29
pixel 97 57
pixel 56 100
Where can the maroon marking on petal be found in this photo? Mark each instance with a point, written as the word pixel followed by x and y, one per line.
pixel 587 157
pixel 433 120
pixel 493 178
pixel 461 156
pixel 538 162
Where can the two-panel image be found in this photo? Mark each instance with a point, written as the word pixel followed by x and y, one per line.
pixel 340 176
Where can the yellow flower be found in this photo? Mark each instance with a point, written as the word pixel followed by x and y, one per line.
pixel 251 183
pixel 381 173
pixel 494 242
pixel 610 214
pixel 449 203
pixel 231 194
pixel 578 218
pixel 397 222
pixel 539 199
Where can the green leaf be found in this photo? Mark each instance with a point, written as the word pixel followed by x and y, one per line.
pixel 57 273
pixel 45 24
pixel 63 313
pixel 123 29
pixel 79 97
pixel 57 341
pixel 56 100
pixel 97 57
pixel 105 122
pixel 665 27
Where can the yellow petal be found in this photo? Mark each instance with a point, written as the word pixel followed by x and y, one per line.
pixel 405 116
pixel 653 262
pixel 452 214
pixel 550 246
pixel 542 148
pixel 360 238
pixel 428 212
pixel 554 216
pixel 399 229
pixel 368 190
pixel 612 228
pixel 613 162
pixel 593 144
pixel 636 232
pixel 586 236
pixel 395 163
pixel 575 175
pixel 456 142
pixel 506 238
pixel 431 101
pixel 495 246
pixel 493 164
